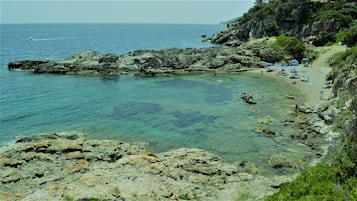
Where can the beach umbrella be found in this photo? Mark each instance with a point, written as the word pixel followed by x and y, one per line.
pixel 293 62
pixel 278 65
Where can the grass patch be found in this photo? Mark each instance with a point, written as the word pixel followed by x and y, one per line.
pixel 322 182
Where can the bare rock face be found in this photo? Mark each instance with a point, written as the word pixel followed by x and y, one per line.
pixel 68 167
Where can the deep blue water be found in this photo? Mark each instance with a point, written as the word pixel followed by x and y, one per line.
pixel 202 111
pixel 63 40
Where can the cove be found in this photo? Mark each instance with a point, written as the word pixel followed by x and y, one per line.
pixel 193 111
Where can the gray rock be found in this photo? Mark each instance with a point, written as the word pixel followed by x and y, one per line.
pixel 147 62
pixel 67 167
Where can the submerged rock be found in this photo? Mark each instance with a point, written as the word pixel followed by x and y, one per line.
pixel 265 131
pixel 280 161
pixel 266 120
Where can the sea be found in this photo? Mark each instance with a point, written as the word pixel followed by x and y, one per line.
pixel 164 113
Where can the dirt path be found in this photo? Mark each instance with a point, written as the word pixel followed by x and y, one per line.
pixel 317 74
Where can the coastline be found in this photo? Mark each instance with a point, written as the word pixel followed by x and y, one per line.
pixel 72 156
pixel 317 95
pixel 317 74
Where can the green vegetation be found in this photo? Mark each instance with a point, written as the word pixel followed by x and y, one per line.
pixel 349 37
pixel 289 44
pixel 322 182
pixel 68 198
pixel 343 60
pixel 296 18
pixel 324 38
pixel 334 178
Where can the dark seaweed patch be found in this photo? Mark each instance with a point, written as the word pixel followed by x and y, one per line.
pixel 186 119
pixel 134 110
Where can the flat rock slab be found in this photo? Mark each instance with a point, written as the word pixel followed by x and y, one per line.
pixel 57 167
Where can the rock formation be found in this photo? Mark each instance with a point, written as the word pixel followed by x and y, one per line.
pixel 148 62
pixel 305 20
pixel 69 167
pixel 248 98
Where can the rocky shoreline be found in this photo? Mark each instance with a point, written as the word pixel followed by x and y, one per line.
pixel 218 59
pixel 70 167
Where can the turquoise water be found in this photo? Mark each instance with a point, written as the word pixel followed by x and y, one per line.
pixel 201 111
pixel 198 111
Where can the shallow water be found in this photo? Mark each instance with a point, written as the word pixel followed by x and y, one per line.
pixel 200 111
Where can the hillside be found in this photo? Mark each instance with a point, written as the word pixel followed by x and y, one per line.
pixel 313 22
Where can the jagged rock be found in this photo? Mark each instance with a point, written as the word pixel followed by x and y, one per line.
pixel 304 109
pixel 314 29
pixel 320 127
pixel 247 98
pixel 327 111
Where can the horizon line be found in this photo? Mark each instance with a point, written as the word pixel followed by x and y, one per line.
pixel 168 23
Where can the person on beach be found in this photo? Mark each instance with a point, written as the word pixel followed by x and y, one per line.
pixel 321 95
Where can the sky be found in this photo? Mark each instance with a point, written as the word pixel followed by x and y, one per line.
pixel 118 11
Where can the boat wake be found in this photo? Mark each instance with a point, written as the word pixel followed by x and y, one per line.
pixel 47 39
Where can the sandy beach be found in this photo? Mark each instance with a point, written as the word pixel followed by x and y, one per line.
pixel 314 89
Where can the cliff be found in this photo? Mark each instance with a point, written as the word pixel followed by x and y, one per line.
pixel 314 22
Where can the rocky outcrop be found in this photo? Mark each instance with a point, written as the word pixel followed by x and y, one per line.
pixel 148 62
pixel 305 20
pixel 69 167
pixel 248 98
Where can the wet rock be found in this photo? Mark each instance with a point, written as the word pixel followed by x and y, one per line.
pixel 247 98
pixel 266 120
pixel 265 131
pixel 304 109
pixel 279 161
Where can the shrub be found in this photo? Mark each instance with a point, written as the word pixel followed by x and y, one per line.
pixel 350 37
pixel 289 44
pixel 323 38
pixel 322 182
